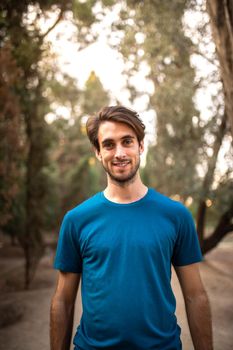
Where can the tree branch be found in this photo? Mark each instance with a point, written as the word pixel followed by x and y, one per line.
pixel 55 23
pixel 201 215
pixel 212 241
pixel 212 61
pixel 223 228
pixel 208 179
pixel 228 12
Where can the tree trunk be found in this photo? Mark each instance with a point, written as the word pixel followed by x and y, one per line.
pixel 207 182
pixel 27 50
pixel 221 19
pixel 33 251
pixel 201 215
pixel 36 187
pixel 223 228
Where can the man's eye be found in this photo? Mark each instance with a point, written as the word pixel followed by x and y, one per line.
pixel 127 141
pixel 108 145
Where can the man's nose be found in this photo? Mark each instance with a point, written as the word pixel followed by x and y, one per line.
pixel 120 151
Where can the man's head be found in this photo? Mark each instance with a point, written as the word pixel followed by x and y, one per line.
pixel 118 114
pixel 117 135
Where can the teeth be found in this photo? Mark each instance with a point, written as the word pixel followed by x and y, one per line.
pixel 121 164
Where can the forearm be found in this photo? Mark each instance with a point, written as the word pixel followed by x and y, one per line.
pixel 199 319
pixel 61 324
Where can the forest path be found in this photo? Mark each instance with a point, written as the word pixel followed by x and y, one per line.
pixel 32 331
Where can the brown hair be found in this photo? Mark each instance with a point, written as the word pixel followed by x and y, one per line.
pixel 118 114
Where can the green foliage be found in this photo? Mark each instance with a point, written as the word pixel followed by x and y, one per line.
pixel 154 34
pixel 15 226
pixel 222 196
pixel 29 105
pixel 84 180
pixel 64 91
pixel 108 2
pixel 163 45
pixel 83 12
pixel 77 174
pixel 25 51
pixel 94 96
pixel 10 126
pixel 47 168
pixel 56 169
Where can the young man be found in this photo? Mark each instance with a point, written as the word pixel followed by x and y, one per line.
pixel 123 242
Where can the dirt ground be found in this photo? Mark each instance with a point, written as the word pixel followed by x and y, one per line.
pixel 30 309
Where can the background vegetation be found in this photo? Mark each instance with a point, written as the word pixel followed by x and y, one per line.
pixel 47 168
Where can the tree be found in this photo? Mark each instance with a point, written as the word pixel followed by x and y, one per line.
pixel 94 96
pixel 79 175
pixel 218 128
pixel 223 225
pixel 221 19
pixel 27 51
pixel 157 39
pixel 10 124
pixel 153 33
pixel 20 26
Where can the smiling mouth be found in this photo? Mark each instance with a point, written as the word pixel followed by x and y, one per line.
pixel 121 164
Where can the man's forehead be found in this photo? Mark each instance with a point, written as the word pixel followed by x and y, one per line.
pixel 115 128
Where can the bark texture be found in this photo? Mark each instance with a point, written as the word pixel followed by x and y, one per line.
pixel 224 225
pixel 221 19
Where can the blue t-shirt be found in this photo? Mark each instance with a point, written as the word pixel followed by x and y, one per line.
pixel 125 252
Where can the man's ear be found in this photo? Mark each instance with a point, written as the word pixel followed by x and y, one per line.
pixel 141 147
pixel 97 154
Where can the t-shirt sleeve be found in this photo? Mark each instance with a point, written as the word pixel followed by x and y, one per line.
pixel 187 249
pixel 68 257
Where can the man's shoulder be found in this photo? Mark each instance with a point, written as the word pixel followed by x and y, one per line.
pixel 87 206
pixel 164 199
pixel 169 204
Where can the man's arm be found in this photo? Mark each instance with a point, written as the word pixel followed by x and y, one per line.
pixel 62 310
pixel 197 306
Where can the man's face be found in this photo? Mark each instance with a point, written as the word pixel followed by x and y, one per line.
pixel 119 151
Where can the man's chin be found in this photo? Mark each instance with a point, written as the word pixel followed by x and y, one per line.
pixel 122 179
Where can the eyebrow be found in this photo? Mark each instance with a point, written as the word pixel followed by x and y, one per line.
pixel 122 138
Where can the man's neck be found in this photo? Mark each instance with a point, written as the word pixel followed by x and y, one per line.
pixel 125 193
